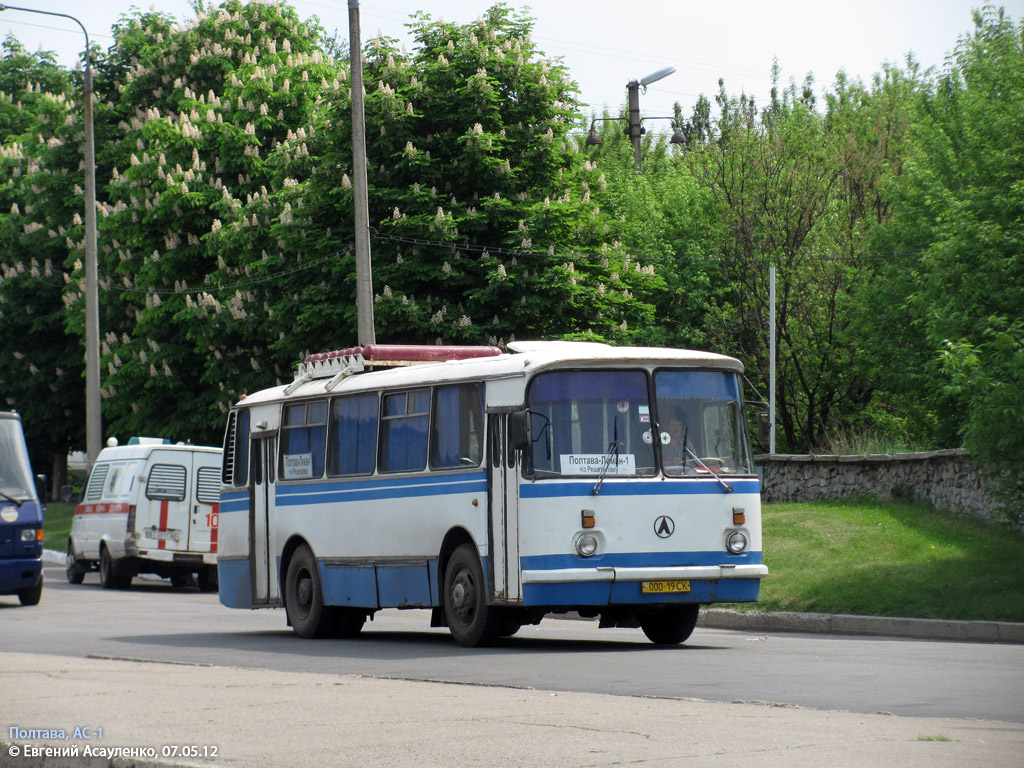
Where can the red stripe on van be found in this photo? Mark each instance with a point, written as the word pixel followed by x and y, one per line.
pixel 162 544
pixel 101 509
pixel 215 518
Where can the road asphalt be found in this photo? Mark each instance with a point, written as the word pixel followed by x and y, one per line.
pixel 177 714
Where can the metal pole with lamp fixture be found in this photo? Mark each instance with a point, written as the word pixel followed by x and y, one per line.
pixel 635 129
pixel 93 413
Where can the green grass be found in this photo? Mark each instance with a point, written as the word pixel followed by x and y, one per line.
pixel 57 525
pixel 890 559
pixel 864 557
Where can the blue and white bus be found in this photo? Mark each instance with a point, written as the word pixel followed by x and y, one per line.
pixel 493 488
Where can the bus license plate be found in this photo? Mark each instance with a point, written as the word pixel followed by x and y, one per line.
pixel 655 587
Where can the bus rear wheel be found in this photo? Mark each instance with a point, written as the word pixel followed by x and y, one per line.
pixel 304 597
pixel 670 625
pixel 472 622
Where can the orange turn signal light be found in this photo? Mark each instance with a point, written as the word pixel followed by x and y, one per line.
pixel 739 516
pixel 587 518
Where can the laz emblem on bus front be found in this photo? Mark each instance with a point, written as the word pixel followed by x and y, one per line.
pixel 664 526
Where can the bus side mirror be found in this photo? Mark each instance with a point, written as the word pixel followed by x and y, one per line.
pixel 519 429
pixel 764 427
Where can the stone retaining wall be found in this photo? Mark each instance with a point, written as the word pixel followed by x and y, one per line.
pixel 948 480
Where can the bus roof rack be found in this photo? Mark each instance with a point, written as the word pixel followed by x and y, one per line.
pixel 345 362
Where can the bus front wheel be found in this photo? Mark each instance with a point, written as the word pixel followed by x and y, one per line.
pixel 670 625
pixel 304 597
pixel 472 622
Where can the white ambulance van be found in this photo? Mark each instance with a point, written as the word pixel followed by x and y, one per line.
pixel 149 507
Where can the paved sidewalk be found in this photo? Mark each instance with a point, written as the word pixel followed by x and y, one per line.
pixel 253 718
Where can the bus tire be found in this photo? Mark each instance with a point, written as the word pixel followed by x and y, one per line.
pixel 109 578
pixel 472 622
pixel 670 625
pixel 74 569
pixel 304 597
pixel 350 622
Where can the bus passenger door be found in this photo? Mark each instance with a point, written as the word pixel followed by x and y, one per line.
pixel 503 525
pixel 261 465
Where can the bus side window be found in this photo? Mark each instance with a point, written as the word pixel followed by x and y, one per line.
pixel 241 465
pixel 403 431
pixel 457 424
pixel 353 435
pixel 303 440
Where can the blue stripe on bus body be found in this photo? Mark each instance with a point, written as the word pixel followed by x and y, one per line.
pixel 234 583
pixel 636 560
pixel 234 501
pixel 547 489
pixel 377 489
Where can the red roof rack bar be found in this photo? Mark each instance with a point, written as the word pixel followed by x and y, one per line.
pixel 423 353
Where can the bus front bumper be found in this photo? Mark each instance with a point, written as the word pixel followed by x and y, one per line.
pixel 577 587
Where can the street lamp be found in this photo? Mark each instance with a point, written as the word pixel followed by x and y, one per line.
pixel 635 129
pixel 93 417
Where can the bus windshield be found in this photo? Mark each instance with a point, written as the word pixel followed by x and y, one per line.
pixel 700 418
pixel 16 481
pixel 591 423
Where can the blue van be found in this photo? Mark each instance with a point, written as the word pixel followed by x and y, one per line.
pixel 21 516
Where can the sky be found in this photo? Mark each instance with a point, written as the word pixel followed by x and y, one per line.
pixel 607 43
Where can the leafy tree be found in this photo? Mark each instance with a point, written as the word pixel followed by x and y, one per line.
pixel 480 202
pixel 194 112
pixel 41 362
pixel 965 197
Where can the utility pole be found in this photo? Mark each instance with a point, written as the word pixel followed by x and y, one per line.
pixel 635 130
pixel 364 275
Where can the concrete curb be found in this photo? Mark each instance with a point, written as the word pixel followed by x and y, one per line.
pixel 825 623
pixel 842 624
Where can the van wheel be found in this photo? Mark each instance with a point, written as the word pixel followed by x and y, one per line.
pixel 670 625
pixel 109 579
pixel 180 580
pixel 32 595
pixel 304 598
pixel 472 622
pixel 74 569
pixel 207 579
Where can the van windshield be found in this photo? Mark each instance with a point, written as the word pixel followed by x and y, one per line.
pixel 15 472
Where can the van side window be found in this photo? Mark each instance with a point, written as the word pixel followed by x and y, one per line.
pixel 353 442
pixel 403 431
pixel 303 440
pixel 166 482
pixel 96 482
pixel 457 427
pixel 208 485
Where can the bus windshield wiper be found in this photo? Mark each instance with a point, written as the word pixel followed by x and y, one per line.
pixel 728 488
pixel 613 451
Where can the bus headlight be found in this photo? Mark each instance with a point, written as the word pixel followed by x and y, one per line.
pixel 586 544
pixel 736 542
